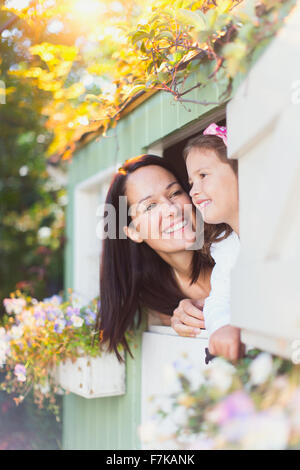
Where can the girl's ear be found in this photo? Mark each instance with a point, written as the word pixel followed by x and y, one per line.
pixel 131 233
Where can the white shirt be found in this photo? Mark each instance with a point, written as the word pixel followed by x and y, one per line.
pixel 216 308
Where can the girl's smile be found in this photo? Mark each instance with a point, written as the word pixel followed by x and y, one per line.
pixel 214 187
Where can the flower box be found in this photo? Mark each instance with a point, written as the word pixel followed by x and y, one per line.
pixel 92 377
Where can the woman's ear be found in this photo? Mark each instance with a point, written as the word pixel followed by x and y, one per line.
pixel 131 233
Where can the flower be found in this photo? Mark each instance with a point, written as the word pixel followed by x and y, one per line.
pixel 77 321
pixel 54 300
pixel 238 404
pixel 16 332
pixel 42 335
pixel 39 315
pixel 261 368
pixel 14 305
pixel 220 374
pixel 28 319
pixel 90 317
pixel 53 313
pixel 20 372
pixel 59 325
pixel 4 346
pixel 268 430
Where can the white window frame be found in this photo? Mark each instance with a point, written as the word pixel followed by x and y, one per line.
pixel 86 202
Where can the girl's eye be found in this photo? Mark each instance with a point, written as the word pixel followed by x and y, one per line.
pixel 202 175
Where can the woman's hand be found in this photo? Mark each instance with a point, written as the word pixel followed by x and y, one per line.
pixel 187 319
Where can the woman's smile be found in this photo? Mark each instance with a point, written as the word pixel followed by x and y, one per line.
pixel 176 226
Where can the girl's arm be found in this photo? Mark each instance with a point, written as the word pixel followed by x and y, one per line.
pixel 217 308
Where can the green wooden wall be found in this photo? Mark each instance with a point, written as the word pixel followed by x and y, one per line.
pixel 111 423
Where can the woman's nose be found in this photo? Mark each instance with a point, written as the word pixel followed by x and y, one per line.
pixel 169 208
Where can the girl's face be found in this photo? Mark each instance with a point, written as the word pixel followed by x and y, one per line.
pixel 162 213
pixel 214 186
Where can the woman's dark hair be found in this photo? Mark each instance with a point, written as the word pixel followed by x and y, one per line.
pixel 133 275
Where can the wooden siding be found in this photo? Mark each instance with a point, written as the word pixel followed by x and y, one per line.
pixel 111 423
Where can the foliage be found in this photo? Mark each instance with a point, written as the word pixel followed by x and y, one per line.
pixel 252 405
pixel 93 69
pixel 36 336
pixel 32 201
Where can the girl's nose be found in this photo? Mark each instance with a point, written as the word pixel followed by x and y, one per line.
pixel 195 189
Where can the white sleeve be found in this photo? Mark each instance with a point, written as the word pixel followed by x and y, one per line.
pixel 217 305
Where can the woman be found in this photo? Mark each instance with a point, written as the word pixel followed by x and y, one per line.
pixel 153 264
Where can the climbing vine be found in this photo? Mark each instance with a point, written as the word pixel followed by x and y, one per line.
pixel 91 70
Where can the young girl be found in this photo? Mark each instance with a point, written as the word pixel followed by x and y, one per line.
pixel 214 191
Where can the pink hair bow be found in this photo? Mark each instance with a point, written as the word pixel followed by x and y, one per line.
pixel 220 131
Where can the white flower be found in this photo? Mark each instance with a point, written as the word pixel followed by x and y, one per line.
pixel 16 332
pixel 261 368
pixel 4 351
pixel 220 374
pixel 4 346
pixel 77 321
pixel 14 306
pixel 179 416
pixel 187 367
pixel 28 319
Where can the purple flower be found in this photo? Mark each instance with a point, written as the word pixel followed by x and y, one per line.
pixel 55 299
pixel 72 311
pixel 52 313
pixel 20 372
pixel 40 317
pixel 236 405
pixel 90 317
pixel 59 325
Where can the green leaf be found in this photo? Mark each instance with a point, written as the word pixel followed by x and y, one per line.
pixel 136 89
pixel 138 36
pixel 192 18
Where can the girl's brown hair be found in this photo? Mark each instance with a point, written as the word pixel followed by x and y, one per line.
pixel 212 142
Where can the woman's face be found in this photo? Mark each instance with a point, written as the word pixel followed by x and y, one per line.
pixel 214 186
pixel 162 213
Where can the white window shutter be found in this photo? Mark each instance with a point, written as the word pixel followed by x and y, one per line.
pixel 264 135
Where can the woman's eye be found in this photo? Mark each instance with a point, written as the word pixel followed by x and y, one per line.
pixel 176 193
pixel 148 208
pixel 202 175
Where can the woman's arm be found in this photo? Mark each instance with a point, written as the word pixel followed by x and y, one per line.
pixel 157 318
